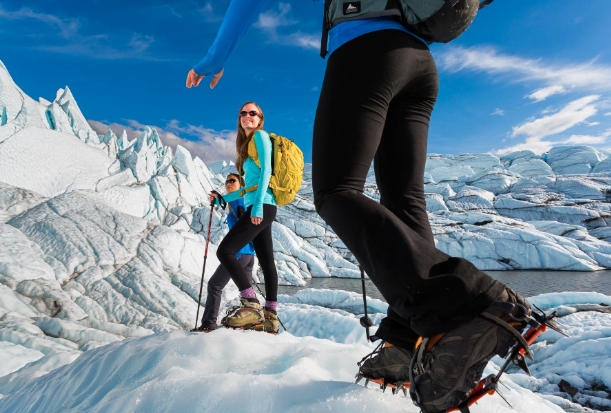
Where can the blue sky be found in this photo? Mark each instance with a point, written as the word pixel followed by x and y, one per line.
pixel 526 75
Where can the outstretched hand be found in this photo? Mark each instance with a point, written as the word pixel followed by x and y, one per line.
pixel 193 79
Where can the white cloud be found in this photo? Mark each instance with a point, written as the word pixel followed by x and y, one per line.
pixel 270 21
pixel 102 127
pixel 66 27
pixel 486 59
pixel 208 144
pixel 210 15
pixel 574 113
pixel 499 112
pixel 544 93
pixel 98 46
pixel 587 139
pixel 542 146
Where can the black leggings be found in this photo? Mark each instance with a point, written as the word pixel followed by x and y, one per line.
pixel 375 104
pixel 241 234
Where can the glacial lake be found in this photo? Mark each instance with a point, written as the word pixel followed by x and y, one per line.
pixel 525 282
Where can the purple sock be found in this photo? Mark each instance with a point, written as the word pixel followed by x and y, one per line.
pixel 248 293
pixel 272 305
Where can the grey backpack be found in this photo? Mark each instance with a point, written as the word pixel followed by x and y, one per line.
pixel 438 21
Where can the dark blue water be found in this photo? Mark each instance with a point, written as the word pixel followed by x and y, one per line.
pixel 527 283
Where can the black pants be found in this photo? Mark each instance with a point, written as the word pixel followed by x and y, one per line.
pixel 217 282
pixel 241 234
pixel 375 104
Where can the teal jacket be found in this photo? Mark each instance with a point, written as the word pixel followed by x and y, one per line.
pixel 253 175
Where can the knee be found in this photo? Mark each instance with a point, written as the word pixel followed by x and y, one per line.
pixel 223 253
pixel 321 198
pixel 214 288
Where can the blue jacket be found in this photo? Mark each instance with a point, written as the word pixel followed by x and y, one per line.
pixel 236 209
pixel 241 14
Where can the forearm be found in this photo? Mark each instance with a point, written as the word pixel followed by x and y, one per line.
pixel 264 151
pixel 232 196
pixel 240 15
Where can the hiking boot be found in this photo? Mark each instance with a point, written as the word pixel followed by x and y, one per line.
pixel 387 362
pixel 449 366
pixel 247 315
pixel 271 321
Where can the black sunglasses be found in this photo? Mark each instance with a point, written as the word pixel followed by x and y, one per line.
pixel 231 181
pixel 251 113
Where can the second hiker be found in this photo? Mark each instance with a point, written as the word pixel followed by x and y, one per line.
pixel 221 276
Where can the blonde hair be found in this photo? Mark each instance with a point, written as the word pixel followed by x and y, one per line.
pixel 242 140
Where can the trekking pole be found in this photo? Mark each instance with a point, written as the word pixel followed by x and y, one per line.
pixel 365 320
pixel 201 285
pixel 261 292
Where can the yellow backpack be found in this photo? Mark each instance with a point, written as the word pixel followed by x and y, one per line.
pixel 287 168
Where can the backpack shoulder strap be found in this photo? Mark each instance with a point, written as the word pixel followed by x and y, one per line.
pixel 325 30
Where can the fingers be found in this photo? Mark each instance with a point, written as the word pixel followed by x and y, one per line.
pixel 256 220
pixel 215 79
pixel 193 79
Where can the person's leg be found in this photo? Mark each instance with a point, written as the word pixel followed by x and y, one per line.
pixel 249 263
pixel 435 291
pixel 401 156
pixel 264 248
pixel 241 234
pixel 217 282
pixel 399 169
pixel 249 314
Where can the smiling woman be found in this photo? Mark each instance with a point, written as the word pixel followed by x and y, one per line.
pixel 254 161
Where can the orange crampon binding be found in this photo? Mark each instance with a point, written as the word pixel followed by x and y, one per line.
pixel 537 324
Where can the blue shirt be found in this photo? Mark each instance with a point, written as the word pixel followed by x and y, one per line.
pixel 232 218
pixel 241 14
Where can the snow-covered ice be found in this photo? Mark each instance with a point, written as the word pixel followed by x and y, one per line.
pixel 101 253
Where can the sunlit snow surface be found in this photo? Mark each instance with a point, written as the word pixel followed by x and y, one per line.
pixel 101 258
pixel 236 371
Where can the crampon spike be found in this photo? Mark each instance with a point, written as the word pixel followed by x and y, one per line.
pixel 395 387
pixel 366 381
pixel 358 378
pixel 521 363
pixel 484 387
pixel 503 397
pixel 504 385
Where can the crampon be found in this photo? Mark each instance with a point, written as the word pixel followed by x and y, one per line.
pixel 391 375
pixel 256 327
pixel 537 324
